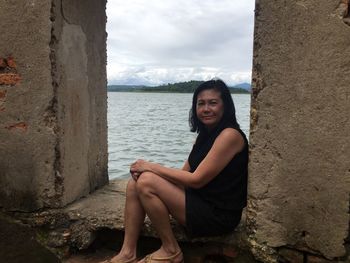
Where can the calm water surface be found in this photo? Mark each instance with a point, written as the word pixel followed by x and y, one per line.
pixel 154 127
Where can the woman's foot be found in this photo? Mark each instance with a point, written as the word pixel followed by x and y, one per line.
pixel 162 256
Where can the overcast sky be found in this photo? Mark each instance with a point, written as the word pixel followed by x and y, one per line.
pixel 166 41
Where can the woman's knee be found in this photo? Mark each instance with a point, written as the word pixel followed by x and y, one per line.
pixel 131 187
pixel 146 182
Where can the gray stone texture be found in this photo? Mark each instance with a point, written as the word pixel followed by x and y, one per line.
pixel 80 52
pixel 299 172
pixel 53 128
pixel 78 224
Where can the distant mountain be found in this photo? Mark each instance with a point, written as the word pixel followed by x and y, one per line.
pixel 244 85
pixel 180 87
pixel 125 87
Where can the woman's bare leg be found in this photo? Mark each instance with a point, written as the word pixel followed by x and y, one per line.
pixel 134 216
pixel 160 197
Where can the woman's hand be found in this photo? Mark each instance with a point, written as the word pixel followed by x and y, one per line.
pixel 138 167
pixel 135 175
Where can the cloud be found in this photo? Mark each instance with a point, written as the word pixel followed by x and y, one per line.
pixel 161 41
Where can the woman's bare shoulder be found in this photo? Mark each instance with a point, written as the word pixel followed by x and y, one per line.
pixel 231 137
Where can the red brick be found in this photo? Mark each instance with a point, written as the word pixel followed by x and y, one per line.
pixel 2 95
pixel 3 63
pixel 11 62
pixel 9 78
pixel 18 126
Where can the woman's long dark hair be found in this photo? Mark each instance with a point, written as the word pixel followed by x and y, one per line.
pixel 229 115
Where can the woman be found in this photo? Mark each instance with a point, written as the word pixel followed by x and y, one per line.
pixel 206 196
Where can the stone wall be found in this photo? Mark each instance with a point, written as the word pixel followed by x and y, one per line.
pixel 299 174
pixel 53 127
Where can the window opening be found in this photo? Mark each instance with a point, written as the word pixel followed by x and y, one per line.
pixel 162 43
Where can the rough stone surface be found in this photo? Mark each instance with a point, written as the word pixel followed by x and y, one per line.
pixel 299 174
pixel 315 259
pixel 290 255
pixel 78 225
pixel 80 57
pixel 18 244
pixel 26 170
pixel 53 127
pixel 105 209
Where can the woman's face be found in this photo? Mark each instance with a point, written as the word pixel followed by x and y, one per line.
pixel 209 107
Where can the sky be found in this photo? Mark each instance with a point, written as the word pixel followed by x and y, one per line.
pixel 158 42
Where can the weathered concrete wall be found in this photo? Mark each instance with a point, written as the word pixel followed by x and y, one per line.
pixel 299 179
pixel 80 56
pixel 53 130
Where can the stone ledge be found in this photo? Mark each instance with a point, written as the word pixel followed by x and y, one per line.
pixel 105 209
pixel 78 225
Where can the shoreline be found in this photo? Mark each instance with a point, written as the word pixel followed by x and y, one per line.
pixel 157 91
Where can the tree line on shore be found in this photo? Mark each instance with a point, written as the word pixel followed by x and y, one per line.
pixel 180 87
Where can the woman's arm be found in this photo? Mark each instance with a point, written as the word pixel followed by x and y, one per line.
pixel 226 146
pixel 186 166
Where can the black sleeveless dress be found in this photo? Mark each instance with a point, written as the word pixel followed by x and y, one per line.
pixel 216 208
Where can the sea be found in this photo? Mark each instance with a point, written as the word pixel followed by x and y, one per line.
pixel 155 127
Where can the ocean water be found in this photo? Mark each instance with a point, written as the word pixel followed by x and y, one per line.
pixel 154 127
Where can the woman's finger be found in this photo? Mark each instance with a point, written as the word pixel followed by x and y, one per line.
pixel 135 175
